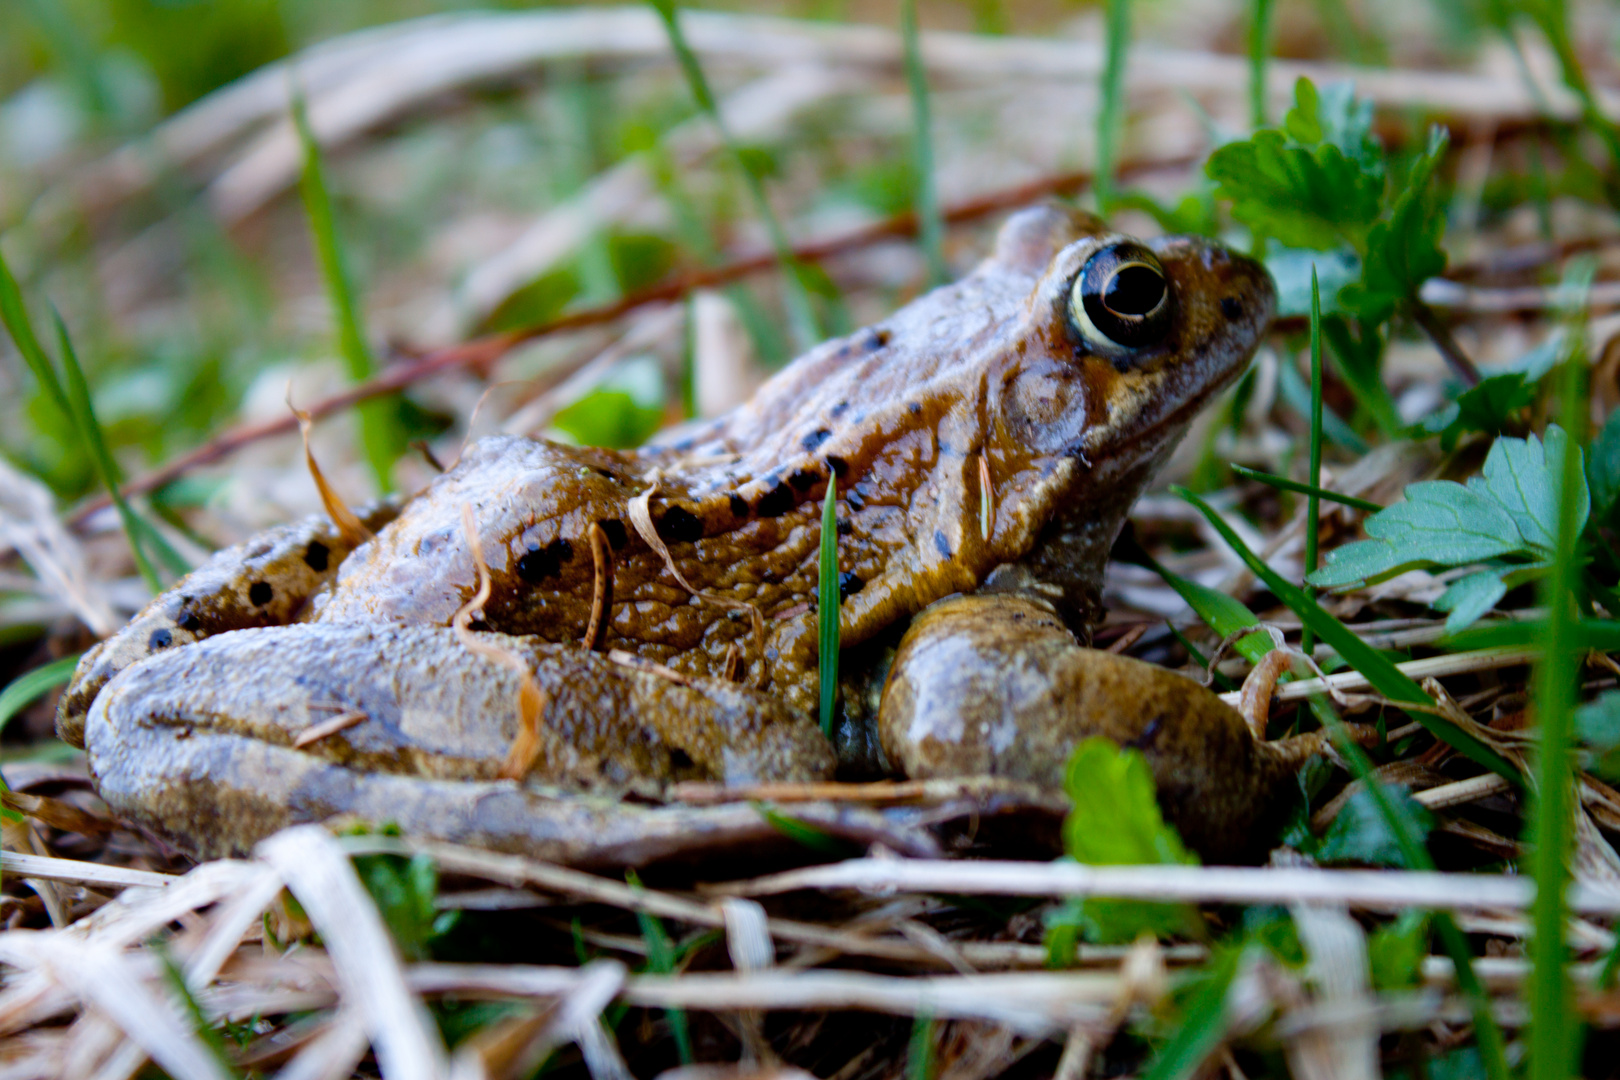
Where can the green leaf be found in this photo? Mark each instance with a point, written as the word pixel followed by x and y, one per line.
pixel 1470 598
pixel 1603 469
pixel 622 412
pixel 1396 951
pixel 1361 834
pixel 1522 476
pixel 1298 186
pixel 1290 268
pixel 1508 511
pixel 1440 524
pixel 1116 821
pixel 1404 251
pixel 1597 727
pixel 1304 199
pixel 1488 407
pixel 1597 723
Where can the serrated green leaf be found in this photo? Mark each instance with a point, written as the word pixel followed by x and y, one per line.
pixel 1116 821
pixel 1404 251
pixel 1303 198
pixel 1469 598
pixel 1439 524
pixel 1488 407
pixel 1360 833
pixel 1521 475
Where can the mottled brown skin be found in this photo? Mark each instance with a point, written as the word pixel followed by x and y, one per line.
pixel 996 685
pixel 991 368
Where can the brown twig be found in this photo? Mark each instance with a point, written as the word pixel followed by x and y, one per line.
pixel 486 350
pixel 1455 358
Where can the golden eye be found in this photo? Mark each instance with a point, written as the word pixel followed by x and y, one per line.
pixel 1121 299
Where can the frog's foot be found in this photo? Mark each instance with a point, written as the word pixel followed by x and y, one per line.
pixel 263 581
pixel 995 684
pixel 222 742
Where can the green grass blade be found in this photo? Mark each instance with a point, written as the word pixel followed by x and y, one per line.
pixel 30 685
pixel 24 689
pixel 89 428
pixel 1384 676
pixel 1260 23
pixel 661 961
pixel 827 606
pixel 379 437
pixel 801 313
pixel 1202 1028
pixel 1111 114
pixel 930 222
pixel 21 329
pixel 1282 483
pixel 920 1054
pixel 1313 502
pixel 1554 1034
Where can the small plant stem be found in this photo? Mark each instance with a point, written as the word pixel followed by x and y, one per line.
pixel 378 439
pixel 1455 358
pixel 1313 501
pixel 1111 114
pixel 827 606
pixel 1260 23
pixel 1552 1036
pixel 930 224
pixel 801 313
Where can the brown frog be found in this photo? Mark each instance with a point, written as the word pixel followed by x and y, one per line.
pixel 987 439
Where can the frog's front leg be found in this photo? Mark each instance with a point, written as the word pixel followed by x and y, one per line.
pixel 220 744
pixel 995 684
pixel 264 581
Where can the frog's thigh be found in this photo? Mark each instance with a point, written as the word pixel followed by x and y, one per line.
pixel 995 685
pixel 414 703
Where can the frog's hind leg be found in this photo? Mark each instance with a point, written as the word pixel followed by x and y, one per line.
pixel 263 581
pixel 219 744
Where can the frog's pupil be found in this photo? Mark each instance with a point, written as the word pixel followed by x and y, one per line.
pixel 1134 290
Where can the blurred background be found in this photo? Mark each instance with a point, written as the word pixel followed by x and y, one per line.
pixel 497 167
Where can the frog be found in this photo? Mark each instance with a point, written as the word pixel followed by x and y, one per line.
pixel 981 446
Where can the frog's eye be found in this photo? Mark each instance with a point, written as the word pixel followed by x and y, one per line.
pixel 1121 299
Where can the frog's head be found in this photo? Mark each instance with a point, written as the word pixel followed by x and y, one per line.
pixel 1124 340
